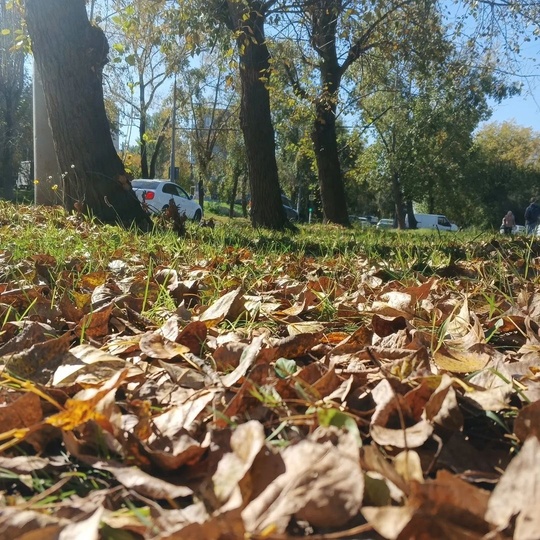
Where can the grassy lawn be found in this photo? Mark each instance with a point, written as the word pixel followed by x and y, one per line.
pixel 240 383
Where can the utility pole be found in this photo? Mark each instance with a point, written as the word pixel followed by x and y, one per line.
pixel 173 138
pixel 46 168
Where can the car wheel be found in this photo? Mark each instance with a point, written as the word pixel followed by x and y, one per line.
pixel 198 215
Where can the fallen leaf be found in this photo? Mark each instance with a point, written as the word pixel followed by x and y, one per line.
pixel 517 493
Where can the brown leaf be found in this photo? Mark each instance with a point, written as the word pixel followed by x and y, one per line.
pixel 442 408
pixel 385 326
pixel 89 364
pixel 459 360
pixel 193 336
pixel 31 333
pixel 527 422
pixel 156 345
pixel 226 526
pixel 248 358
pixel 322 484
pixel 24 411
pixel 395 421
pixel 227 356
pixel 246 442
pixel 95 324
pixel 229 307
pixel 516 495
pixel 39 362
pixel 17 523
pixel 143 483
pixel 295 346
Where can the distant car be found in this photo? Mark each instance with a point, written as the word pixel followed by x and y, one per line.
pixel 373 220
pixel 362 221
pixel 432 221
pixel 292 214
pixel 385 223
pixel 157 195
pixel 517 229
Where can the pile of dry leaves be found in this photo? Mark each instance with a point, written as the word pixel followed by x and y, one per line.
pixel 410 414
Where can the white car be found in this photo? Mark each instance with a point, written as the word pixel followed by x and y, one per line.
pixel 385 223
pixel 157 195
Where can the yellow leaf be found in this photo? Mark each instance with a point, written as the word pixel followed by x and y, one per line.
pixel 460 361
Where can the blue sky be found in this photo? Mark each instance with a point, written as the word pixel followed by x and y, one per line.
pixel 524 109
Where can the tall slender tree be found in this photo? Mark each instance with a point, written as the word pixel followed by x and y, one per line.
pixel 246 19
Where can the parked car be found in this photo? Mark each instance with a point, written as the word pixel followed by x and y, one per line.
pixel 362 221
pixel 385 223
pixel 290 211
pixel 157 195
pixel 292 214
pixel 433 221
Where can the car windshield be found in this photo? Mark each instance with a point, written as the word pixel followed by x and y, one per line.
pixel 144 184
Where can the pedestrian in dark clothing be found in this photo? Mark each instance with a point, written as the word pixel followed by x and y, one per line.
pixel 532 213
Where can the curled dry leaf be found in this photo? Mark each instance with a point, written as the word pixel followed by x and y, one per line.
pixel 322 484
pixel 517 493
pixel 142 482
pixel 397 419
pixel 156 345
pixel 246 443
pixel 229 307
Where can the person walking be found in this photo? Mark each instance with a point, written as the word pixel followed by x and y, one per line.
pixel 532 213
pixel 508 222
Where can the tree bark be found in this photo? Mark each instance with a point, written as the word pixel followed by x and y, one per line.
pixel 12 85
pixel 7 169
pixel 324 135
pixel 70 54
pixel 399 203
pixel 255 118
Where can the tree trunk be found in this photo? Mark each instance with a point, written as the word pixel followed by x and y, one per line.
pixel 324 136
pixel 324 139
pixel 7 169
pixel 255 118
pixel 413 224
pixel 398 201
pixel 157 149
pixel 234 190
pixel 70 54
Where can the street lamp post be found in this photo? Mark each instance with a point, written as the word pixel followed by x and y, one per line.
pixel 173 138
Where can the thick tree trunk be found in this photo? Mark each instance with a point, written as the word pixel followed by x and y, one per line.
pixel 256 122
pixel 70 54
pixel 413 224
pixel 324 137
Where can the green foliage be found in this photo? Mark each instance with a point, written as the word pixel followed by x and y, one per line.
pixel 503 172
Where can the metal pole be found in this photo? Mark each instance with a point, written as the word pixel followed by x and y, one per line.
pixel 173 139
pixel 46 168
